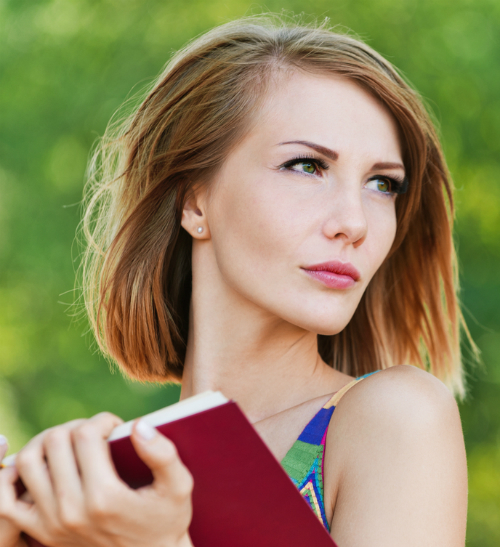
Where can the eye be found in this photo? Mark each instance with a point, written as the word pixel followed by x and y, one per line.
pixel 384 185
pixel 305 165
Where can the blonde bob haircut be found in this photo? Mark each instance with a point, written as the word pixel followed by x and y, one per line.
pixel 137 264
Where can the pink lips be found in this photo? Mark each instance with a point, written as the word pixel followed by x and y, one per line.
pixel 334 274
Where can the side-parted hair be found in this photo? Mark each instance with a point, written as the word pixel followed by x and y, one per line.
pixel 137 264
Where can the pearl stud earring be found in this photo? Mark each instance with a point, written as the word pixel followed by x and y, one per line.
pixel 200 229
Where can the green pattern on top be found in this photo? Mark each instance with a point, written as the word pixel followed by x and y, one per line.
pixel 300 458
pixel 304 461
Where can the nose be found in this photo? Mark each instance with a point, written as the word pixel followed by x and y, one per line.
pixel 346 218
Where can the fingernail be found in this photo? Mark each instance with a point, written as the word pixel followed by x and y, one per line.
pixel 145 430
pixel 3 440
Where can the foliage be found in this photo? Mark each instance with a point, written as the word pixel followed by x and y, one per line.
pixel 65 68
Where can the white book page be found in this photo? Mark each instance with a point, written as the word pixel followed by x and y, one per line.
pixel 182 409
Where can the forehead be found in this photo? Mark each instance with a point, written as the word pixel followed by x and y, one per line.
pixel 328 109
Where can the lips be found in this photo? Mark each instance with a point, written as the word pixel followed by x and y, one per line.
pixel 334 274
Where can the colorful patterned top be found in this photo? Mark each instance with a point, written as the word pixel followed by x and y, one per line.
pixel 304 461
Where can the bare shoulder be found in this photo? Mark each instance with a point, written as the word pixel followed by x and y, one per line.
pixel 401 474
pixel 403 391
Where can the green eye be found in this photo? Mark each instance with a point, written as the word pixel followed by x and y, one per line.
pixel 382 185
pixel 305 165
pixel 309 168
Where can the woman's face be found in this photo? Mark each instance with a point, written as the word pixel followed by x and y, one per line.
pixel 302 213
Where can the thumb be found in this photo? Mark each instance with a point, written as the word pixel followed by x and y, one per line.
pixel 161 456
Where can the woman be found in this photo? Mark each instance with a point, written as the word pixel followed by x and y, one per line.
pixel 274 221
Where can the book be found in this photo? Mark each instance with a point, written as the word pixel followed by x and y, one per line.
pixel 242 496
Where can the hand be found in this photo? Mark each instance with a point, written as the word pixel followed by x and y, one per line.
pixel 10 534
pixel 79 500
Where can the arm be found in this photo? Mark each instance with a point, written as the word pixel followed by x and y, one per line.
pixel 79 500
pixel 403 476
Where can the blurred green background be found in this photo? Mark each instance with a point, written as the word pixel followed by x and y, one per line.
pixel 67 65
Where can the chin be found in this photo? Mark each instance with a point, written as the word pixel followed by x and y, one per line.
pixel 327 325
pixel 325 331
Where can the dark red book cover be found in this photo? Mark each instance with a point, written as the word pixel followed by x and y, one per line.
pixel 242 496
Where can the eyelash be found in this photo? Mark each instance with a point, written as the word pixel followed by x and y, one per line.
pixel 317 162
pixel 398 186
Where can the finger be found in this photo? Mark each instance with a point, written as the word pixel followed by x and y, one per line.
pixel 8 530
pixel 9 534
pixel 161 456
pixel 92 451
pixel 68 425
pixel 33 469
pixel 63 468
pixel 39 438
pixel 8 477
pixel 13 510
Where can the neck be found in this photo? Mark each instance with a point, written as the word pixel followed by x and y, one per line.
pixel 253 357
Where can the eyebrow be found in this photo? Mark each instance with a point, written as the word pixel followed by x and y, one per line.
pixel 334 156
pixel 331 154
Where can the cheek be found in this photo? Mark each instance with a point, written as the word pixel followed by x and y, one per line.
pixel 382 227
pixel 255 230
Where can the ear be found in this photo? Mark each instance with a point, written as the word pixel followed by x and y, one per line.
pixel 194 219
